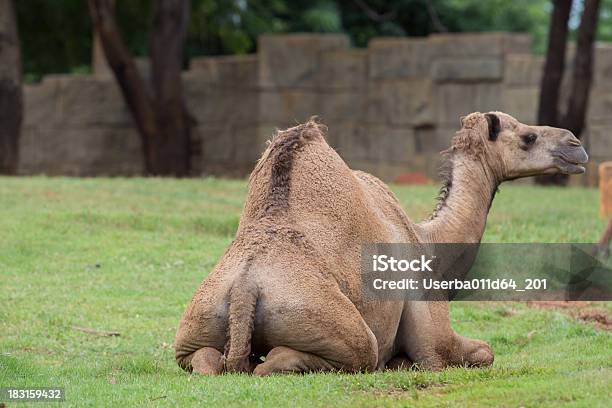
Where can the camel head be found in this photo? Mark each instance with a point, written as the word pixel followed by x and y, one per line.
pixel 513 150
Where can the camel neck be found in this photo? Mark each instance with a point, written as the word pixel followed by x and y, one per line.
pixel 462 213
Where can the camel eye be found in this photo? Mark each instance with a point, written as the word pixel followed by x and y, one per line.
pixel 529 139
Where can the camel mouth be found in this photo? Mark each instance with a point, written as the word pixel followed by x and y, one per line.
pixel 570 168
pixel 570 159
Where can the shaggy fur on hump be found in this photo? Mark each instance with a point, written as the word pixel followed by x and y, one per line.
pixel 282 149
pixel 446 176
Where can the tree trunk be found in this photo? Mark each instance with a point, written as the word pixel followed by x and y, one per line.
pixel 583 69
pixel 11 96
pixel 161 118
pixel 170 19
pixel 99 66
pixel 132 86
pixel 552 77
pixel 548 110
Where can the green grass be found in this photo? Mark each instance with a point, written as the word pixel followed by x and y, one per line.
pixel 127 255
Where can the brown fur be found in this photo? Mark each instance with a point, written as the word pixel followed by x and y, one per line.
pixel 289 286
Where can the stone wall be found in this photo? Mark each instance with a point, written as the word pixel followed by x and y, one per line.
pixel 390 108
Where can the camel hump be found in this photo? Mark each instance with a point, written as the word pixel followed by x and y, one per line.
pixel 277 162
pixel 285 143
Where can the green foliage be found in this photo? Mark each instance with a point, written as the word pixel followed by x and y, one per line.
pixel 529 16
pixel 413 18
pixel 232 27
pixel 56 36
pixel 127 254
pixel 604 29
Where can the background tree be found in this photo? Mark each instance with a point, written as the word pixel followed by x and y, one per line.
pixel 554 65
pixel 549 112
pixel 583 68
pixel 159 111
pixel 11 100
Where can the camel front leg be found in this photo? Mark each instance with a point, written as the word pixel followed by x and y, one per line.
pixel 426 336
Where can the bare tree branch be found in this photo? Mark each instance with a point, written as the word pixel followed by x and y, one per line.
pixel 128 77
pixel 548 110
pixel 373 15
pixel 435 19
pixel 583 68
pixel 161 118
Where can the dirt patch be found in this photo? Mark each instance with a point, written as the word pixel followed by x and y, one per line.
pixel 580 310
pixel 395 393
pixel 402 393
pixel 411 179
pixel 597 317
pixel 558 304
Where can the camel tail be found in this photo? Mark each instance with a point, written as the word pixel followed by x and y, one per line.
pixel 243 301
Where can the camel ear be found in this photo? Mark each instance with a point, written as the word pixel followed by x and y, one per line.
pixel 461 120
pixel 494 125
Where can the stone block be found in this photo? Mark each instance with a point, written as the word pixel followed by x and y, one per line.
pixel 605 189
pixel 41 104
pixel 442 139
pixel 488 97
pixel 401 102
pixel 227 170
pixel 81 151
pixel 341 105
pixel 228 143
pixel 522 103
pixel 456 100
pixel 343 69
pixel 249 143
pixel 331 136
pixel 523 70
pixel 432 163
pixel 394 145
pixel 600 141
pixel 286 106
pixel 210 104
pixel 600 105
pixel 293 60
pixel 227 71
pixel 397 58
pixel 478 44
pixel 603 65
pixel 89 101
pixel 216 141
pixel 467 69
pixel 518 43
pixel 353 142
pixel 426 141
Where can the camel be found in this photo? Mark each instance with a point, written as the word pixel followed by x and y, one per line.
pixel 288 288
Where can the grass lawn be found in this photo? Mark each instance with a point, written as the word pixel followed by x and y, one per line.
pixel 127 255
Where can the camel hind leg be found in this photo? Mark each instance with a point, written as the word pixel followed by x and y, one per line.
pixel 325 334
pixel 283 359
pixel 207 361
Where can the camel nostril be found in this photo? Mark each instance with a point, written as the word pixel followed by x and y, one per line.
pixel 574 142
